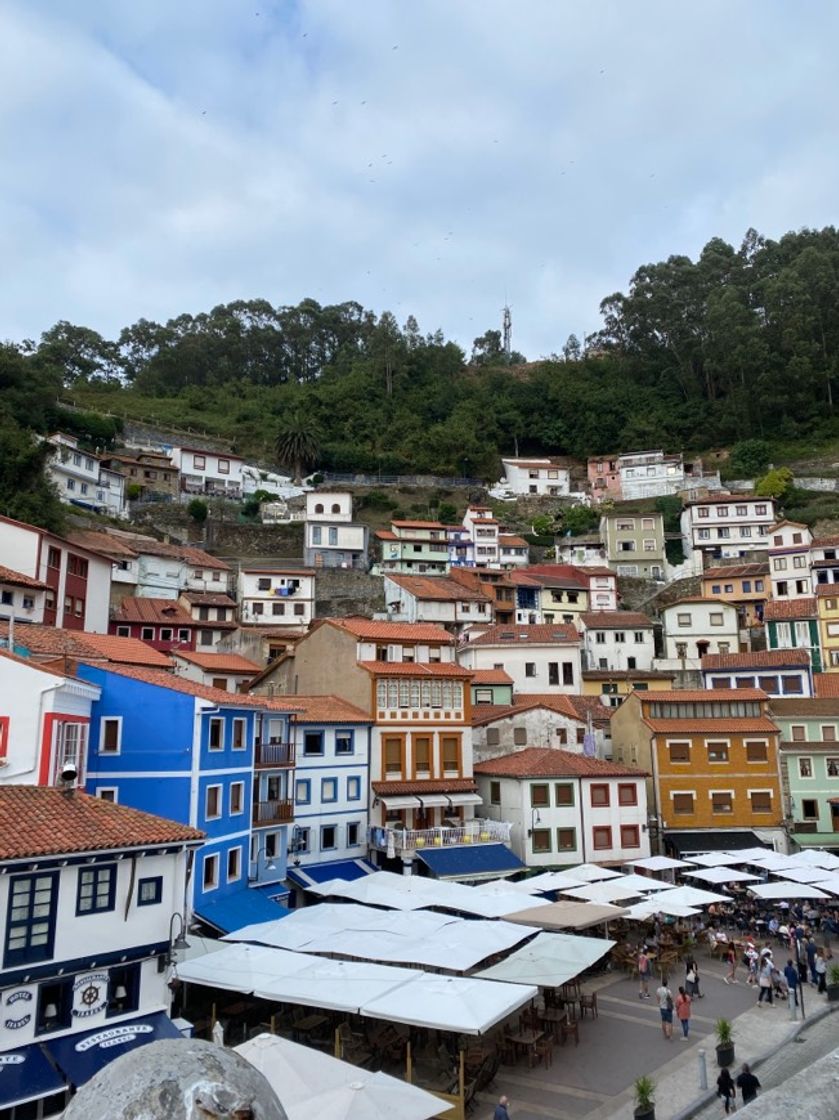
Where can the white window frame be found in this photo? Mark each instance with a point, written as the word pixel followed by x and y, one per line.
pixel 236 812
pixel 216 816
pixel 234 878
pixel 213 859
pixel 770 792
pixel 110 719
pixel 112 790
pixel 220 747
pixel 244 724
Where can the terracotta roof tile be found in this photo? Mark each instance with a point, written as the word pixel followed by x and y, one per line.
pixel 327 709
pixel 208 599
pixel 708 695
pixel 736 571
pixel 722 726
pixel 616 620
pixel 419 524
pixel 106 543
pixel 59 823
pixel 823 704
pixel 374 629
pixel 55 642
pixel 386 535
pixel 552 762
pixel 219 662
pixel 438 588
pixel 507 540
pixel 433 785
pixel 826 684
pixel 629 675
pixel 159 612
pixel 777 609
pixel 18 579
pixel 491 676
pixel 573 707
pixel 759 658
pixel 193 688
pixel 535 634
pixel 415 669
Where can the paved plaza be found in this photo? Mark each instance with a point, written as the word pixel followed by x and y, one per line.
pixel 594 1080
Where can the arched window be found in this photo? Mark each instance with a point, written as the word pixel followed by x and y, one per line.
pixel 336 508
pixel 319 508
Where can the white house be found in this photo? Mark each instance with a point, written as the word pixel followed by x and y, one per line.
pixel 566 808
pixel 276 596
pixel 727 526
pixel 483 530
pixel 650 474
pixel 513 551
pixel 230 672
pixel 81 480
pixel 778 672
pixel 331 538
pixel 583 551
pixel 557 721
pixel 332 777
pixel 539 658
pixel 695 627
pixel 216 614
pixel 546 476
pixel 93 898
pixel 824 560
pixel 77 580
pixel 208 473
pixel 436 599
pixel 44 721
pixel 616 640
pixel 21 597
pixel 789 560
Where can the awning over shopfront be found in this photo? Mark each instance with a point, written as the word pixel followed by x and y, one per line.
pixel 241 908
pixel 347 869
pixel 830 841
pixel 714 840
pixel 81 1056
pixel 26 1075
pixel 470 861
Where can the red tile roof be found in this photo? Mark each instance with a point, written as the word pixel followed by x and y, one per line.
pixel 135 544
pixel 616 620
pixel 54 642
pixel 822 704
pixel 219 662
pixel 628 675
pixel 721 726
pixel 759 658
pixel 708 695
pixel 433 785
pixel 572 707
pixel 827 589
pixel 552 762
pixel 18 579
pixel 193 688
pixel 736 571
pixel 386 535
pixel 491 676
pixel 57 823
pixel 208 599
pixel 327 709
pixel 374 630
pixel 158 612
pixel 826 684
pixel 777 609
pixel 42 667
pixel 510 541
pixel 419 524
pixel 438 588
pixel 106 543
pixel 415 669
pixel 515 634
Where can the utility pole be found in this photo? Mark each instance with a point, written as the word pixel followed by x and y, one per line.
pixel 507 332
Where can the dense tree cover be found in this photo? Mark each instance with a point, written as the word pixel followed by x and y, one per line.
pixel 737 347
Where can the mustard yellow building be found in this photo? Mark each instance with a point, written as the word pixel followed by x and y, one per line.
pixel 827 614
pixel 713 757
pixel 611 687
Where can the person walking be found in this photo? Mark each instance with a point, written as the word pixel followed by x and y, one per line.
pixel 683 1003
pixel 644 969
pixel 731 960
pixel 791 977
pixel 810 949
pixel 727 1090
pixel 747 1083
pixel 820 967
pixel 501 1109
pixel 665 1007
pixel 764 982
pixel 751 964
pixel 692 979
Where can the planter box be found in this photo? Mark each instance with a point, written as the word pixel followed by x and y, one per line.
pixel 725 1055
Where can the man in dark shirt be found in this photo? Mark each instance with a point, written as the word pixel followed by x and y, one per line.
pixel 791 977
pixel 501 1112
pixel 747 1083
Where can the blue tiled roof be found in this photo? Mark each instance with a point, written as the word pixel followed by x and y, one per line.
pixel 242 908
pixel 470 861
pixel 348 869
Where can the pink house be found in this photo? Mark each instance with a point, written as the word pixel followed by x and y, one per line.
pixel 604 477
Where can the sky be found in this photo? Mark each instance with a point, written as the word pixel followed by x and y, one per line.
pixel 430 157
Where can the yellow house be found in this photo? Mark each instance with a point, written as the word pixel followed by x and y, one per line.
pixel 827 610
pixel 612 686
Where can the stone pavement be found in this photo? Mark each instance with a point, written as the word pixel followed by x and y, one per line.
pixel 594 1080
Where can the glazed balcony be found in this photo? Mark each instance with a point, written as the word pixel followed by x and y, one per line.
pixel 405 841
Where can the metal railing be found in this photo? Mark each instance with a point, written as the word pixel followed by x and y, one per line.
pixel 274 754
pixel 272 812
pixel 404 840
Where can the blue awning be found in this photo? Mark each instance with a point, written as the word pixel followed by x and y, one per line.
pixel 81 1056
pixel 348 869
pixel 27 1075
pixel 471 861
pixel 246 907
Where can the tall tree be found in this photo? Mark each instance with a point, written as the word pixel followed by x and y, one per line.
pixel 298 441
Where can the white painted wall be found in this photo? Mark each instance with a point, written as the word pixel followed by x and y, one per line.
pixel 698 629
pixel 516 659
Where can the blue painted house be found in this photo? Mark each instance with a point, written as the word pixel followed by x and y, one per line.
pixel 219 761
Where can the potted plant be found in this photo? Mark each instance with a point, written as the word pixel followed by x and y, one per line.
pixel 833 984
pixel 644 1089
pixel 725 1042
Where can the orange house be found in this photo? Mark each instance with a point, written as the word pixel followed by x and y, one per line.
pixel 714 763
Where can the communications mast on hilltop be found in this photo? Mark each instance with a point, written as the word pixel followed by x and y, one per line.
pixel 507 332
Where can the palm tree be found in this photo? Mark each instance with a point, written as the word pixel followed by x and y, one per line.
pixel 298 441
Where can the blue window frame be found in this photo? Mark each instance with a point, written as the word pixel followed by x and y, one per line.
pixel 96 889
pixel 328 790
pixel 344 741
pixel 303 791
pixel 313 743
pixel 150 891
pixel 354 789
pixel 30 925
pixel 747 585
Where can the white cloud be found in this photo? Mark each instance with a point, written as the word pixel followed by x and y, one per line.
pixel 168 157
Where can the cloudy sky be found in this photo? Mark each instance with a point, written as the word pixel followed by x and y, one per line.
pixel 434 157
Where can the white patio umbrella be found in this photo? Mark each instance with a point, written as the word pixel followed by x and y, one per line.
pixel 592 872
pixel 658 863
pixel 717 859
pixel 642 911
pixel 752 855
pixel 603 892
pixel 814 857
pixel 803 874
pixel 644 883
pixel 690 896
pixel 549 881
pixel 723 875
pixel 829 884
pixel 549 960
pixel 786 891
pixel 315 1086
